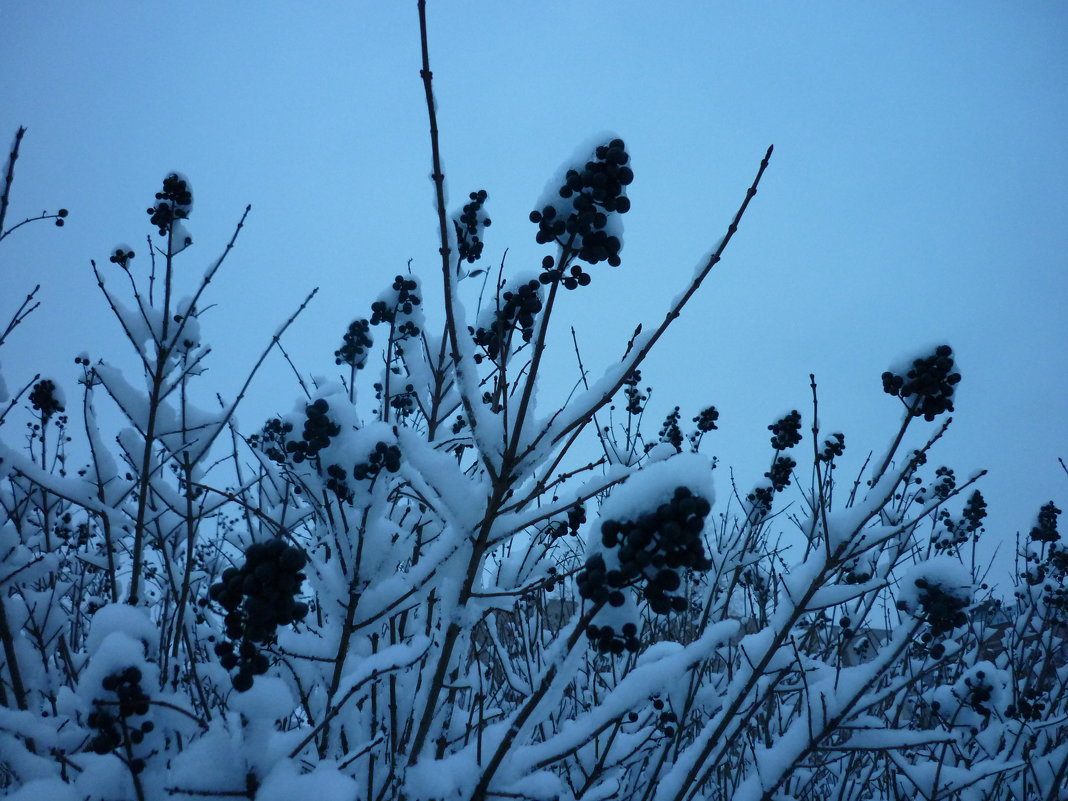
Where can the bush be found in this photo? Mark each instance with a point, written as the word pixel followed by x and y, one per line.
pixel 414 586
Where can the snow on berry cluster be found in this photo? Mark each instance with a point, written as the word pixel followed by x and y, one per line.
pixel 113 717
pixel 469 227
pixel 515 312
pixel 258 598
pixel 580 217
pixel 649 550
pixel 929 382
pixel 173 203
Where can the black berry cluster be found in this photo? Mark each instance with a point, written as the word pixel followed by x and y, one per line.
pixel 929 383
pixel 44 400
pixel 666 720
pixel 576 516
pixel 780 472
pixel 833 447
pixel 387 457
pixel 635 397
pixel 469 227
pixel 318 430
pixel 706 419
pixel 61 218
pixel 979 693
pixel 1045 528
pixel 258 598
pixel 786 433
pixel 173 203
pixel 670 431
pixel 113 719
pixel 272 439
pixel 595 191
pixel 336 483
pixel 606 640
pixel 355 345
pixel 652 549
pixel 1027 708
pixel 942 610
pixel 404 301
pixel 122 258
pixel 517 309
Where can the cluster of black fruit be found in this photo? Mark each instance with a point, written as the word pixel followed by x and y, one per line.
pixel 468 227
pixel 355 345
pixel 634 396
pixel 1045 528
pixel 258 598
pixel 706 419
pixel 670 431
pixel 336 483
pixel 786 433
pixel 781 470
pixel 595 192
pixel 979 693
pixel 173 203
pixel 572 279
pixel 318 430
pixel 943 611
pixel 383 456
pixel 61 218
pixel 576 516
pixel 607 641
pixel 403 403
pixel 653 549
pixel 760 499
pixel 43 398
pixel 931 380
pixel 1028 707
pixel 516 311
pixel 404 301
pixel 272 439
pixel 833 447
pixel 958 532
pixel 122 258
pixel 112 719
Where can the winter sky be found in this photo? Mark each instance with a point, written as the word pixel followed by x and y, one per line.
pixel 918 194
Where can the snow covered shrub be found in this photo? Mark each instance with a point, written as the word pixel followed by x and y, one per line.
pixel 414 585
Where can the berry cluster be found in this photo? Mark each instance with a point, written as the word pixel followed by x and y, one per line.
pixel 122 258
pixel 634 396
pixel 44 400
pixel 666 719
pixel 383 456
pixel 670 431
pixel 780 472
pixel 112 719
pixel 607 641
pixel 318 429
pixel 931 380
pixel 652 548
pixel 1027 708
pixel 336 483
pixel 595 191
pixel 1045 528
pixel 356 343
pixel 272 439
pixel 61 218
pixel 469 227
pixel 404 301
pixel 979 693
pixel 174 203
pixel 942 610
pixel 516 312
pixel 706 419
pixel 576 516
pixel 573 279
pixel 258 598
pixel 833 447
pixel 786 433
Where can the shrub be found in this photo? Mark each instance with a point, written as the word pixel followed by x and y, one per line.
pixel 414 586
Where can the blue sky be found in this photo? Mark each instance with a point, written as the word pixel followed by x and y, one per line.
pixel 917 193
